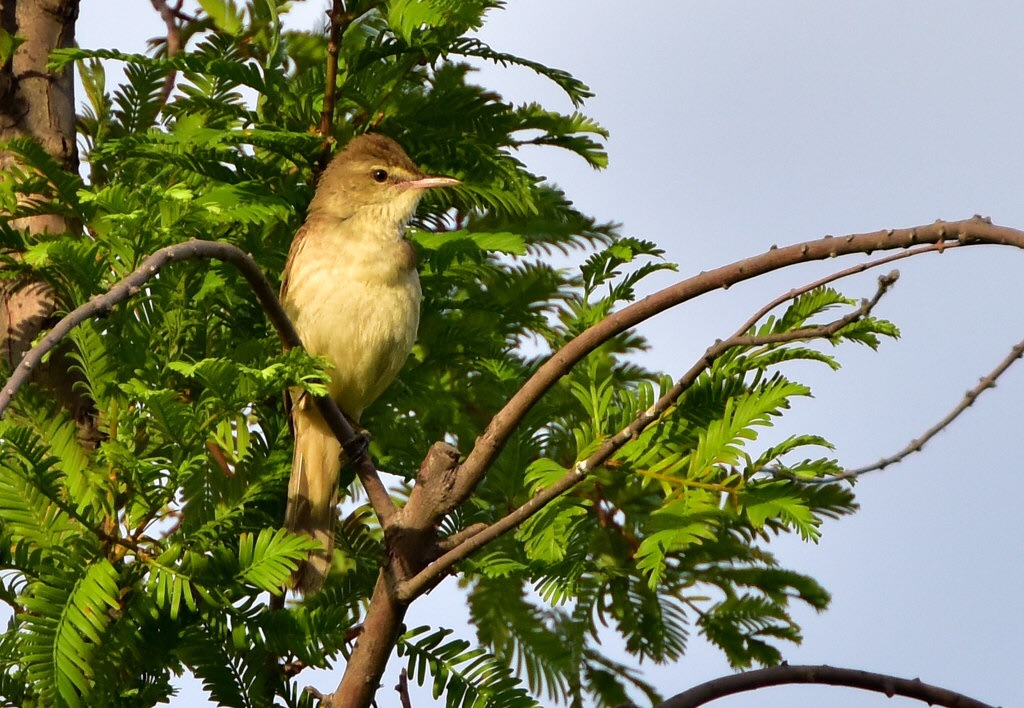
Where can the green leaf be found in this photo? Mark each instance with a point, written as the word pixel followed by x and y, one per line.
pixel 673 530
pixel 773 501
pixel 465 677
pixel 500 242
pixel 547 534
pixel 67 621
pixel 576 90
pixel 9 44
pixel 269 561
pixel 224 13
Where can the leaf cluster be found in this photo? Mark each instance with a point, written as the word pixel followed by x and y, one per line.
pixel 154 550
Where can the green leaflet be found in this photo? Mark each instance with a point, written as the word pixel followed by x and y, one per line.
pixel 268 560
pixel 61 643
pixel 466 677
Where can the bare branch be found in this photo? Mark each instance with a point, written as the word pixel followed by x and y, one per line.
pixel 382 626
pixel 918 443
pixel 986 382
pixel 839 275
pixel 826 675
pixel 132 283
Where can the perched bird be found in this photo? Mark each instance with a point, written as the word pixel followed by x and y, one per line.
pixel 350 287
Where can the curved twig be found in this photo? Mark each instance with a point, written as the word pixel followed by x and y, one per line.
pixel 130 285
pixel 127 287
pixel 826 675
pixel 839 275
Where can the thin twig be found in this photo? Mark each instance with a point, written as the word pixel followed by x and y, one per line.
pixel 340 19
pixel 132 283
pixel 434 573
pixel 170 16
pixel 403 689
pixel 918 443
pixel 839 275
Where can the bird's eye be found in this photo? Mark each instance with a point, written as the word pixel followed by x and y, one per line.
pixel 379 175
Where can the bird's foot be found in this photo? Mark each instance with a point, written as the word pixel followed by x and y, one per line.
pixel 359 446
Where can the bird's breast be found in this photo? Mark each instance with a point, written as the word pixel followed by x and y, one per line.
pixel 355 302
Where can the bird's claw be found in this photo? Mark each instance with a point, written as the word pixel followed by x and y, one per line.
pixel 360 445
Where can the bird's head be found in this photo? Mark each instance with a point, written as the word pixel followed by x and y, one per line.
pixel 373 172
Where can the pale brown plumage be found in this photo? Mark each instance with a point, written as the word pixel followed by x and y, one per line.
pixel 351 289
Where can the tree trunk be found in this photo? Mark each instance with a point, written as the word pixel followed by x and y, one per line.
pixel 39 104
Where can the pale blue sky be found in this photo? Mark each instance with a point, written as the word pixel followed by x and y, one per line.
pixel 736 125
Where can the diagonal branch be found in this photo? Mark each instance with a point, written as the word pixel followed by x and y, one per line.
pixel 435 572
pixel 974 231
pixel 827 675
pixel 131 284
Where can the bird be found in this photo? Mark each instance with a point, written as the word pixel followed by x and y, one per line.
pixel 351 289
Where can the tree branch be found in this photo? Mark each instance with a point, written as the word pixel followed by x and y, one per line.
pixel 827 675
pixel 131 284
pixel 974 231
pixel 839 275
pixel 403 689
pixel 435 572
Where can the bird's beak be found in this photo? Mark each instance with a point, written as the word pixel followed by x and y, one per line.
pixel 430 182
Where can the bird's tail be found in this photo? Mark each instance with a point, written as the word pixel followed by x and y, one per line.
pixel 313 491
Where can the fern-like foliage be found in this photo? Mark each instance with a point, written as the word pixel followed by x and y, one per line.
pixel 463 675
pixel 153 550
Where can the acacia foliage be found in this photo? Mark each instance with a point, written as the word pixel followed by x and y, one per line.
pixel 154 552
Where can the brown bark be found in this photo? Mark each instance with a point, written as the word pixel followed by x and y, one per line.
pixel 38 104
pixel 33 101
pixel 820 675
